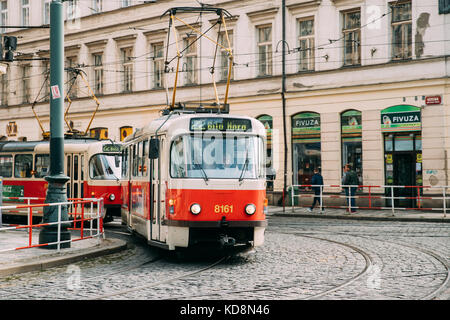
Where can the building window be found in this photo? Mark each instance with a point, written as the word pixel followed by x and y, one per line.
pixel 351 137
pixel 46 77
pixel 444 6
pixel 265 50
pixel 46 12
pixel 127 69
pixel 267 121
pixel 306 44
pixel 25 12
pixel 125 3
pixel 306 147
pixel 401 30
pixel 190 58
pixel 158 65
pixel 3 15
pixel 71 77
pixel 224 62
pixel 97 6
pixel 4 90
pixel 352 37
pixel 26 70
pixel 98 73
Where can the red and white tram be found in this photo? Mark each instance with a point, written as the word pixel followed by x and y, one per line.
pixel 196 178
pixel 93 166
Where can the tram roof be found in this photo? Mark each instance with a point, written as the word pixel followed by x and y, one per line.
pixel 30 146
pixel 180 121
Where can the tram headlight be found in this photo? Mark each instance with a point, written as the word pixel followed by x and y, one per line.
pixel 250 209
pixel 112 197
pixel 195 208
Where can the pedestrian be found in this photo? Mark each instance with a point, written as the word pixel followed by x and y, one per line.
pixel 350 179
pixel 317 183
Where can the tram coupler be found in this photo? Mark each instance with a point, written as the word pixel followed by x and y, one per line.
pixel 226 241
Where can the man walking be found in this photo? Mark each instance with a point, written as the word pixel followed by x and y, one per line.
pixel 317 183
pixel 350 179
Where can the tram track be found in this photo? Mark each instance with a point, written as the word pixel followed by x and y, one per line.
pixel 158 283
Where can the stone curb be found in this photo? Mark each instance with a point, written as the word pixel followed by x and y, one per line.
pixel 42 263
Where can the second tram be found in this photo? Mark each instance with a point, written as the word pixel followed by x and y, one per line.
pixel 93 166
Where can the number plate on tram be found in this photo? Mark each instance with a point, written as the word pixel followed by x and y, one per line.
pixel 223 208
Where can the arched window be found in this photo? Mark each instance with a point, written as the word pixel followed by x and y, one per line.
pixel 267 121
pixel 306 146
pixel 351 137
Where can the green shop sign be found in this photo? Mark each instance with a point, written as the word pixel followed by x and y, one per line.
pixel 401 118
pixel 306 123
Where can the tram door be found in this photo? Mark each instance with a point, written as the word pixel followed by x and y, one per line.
pixel 156 195
pixel 74 170
pixel 404 175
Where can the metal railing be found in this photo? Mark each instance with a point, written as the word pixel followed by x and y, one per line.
pixel 81 211
pixel 373 199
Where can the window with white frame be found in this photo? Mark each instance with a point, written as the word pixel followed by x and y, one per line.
pixel 351 30
pixel 3 14
pixel 157 65
pixel 127 69
pixel 71 78
pixel 45 94
pixel 401 30
pixel 125 3
pixel 224 62
pixel 264 38
pixel 97 6
pixel 25 11
pixel 46 11
pixel 4 90
pixel 26 72
pixel 98 72
pixel 190 58
pixel 72 10
pixel 306 44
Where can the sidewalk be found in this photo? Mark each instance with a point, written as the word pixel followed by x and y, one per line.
pixel 377 215
pixel 35 259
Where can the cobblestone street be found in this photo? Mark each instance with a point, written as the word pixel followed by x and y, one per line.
pixel 301 259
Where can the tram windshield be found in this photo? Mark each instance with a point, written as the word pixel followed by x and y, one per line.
pixel 220 156
pixel 105 167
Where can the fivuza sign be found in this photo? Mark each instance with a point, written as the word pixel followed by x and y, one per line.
pixel 401 118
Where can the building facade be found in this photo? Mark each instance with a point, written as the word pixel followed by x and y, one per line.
pixel 367 82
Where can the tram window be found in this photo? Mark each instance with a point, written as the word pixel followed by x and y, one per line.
pixel 144 158
pixel 134 161
pixel 23 164
pixel 125 163
pixel 6 164
pixel 82 168
pixel 75 167
pixel 177 168
pixel 42 165
pixel 102 167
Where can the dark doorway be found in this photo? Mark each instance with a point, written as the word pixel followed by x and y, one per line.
pixel 404 175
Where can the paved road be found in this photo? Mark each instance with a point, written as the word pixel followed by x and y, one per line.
pixel 302 259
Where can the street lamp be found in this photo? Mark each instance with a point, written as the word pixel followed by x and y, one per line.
pixel 57 179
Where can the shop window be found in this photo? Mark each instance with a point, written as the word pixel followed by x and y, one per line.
pixel 306 146
pixel 267 121
pixel 351 137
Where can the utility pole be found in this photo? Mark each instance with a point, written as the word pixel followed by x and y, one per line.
pixel 283 97
pixel 56 191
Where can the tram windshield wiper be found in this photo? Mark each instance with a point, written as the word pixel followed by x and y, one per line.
pixel 244 168
pixel 199 166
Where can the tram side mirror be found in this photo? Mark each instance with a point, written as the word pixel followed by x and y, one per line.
pixel 153 152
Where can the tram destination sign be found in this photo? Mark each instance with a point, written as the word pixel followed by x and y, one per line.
pixel 112 148
pixel 220 124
